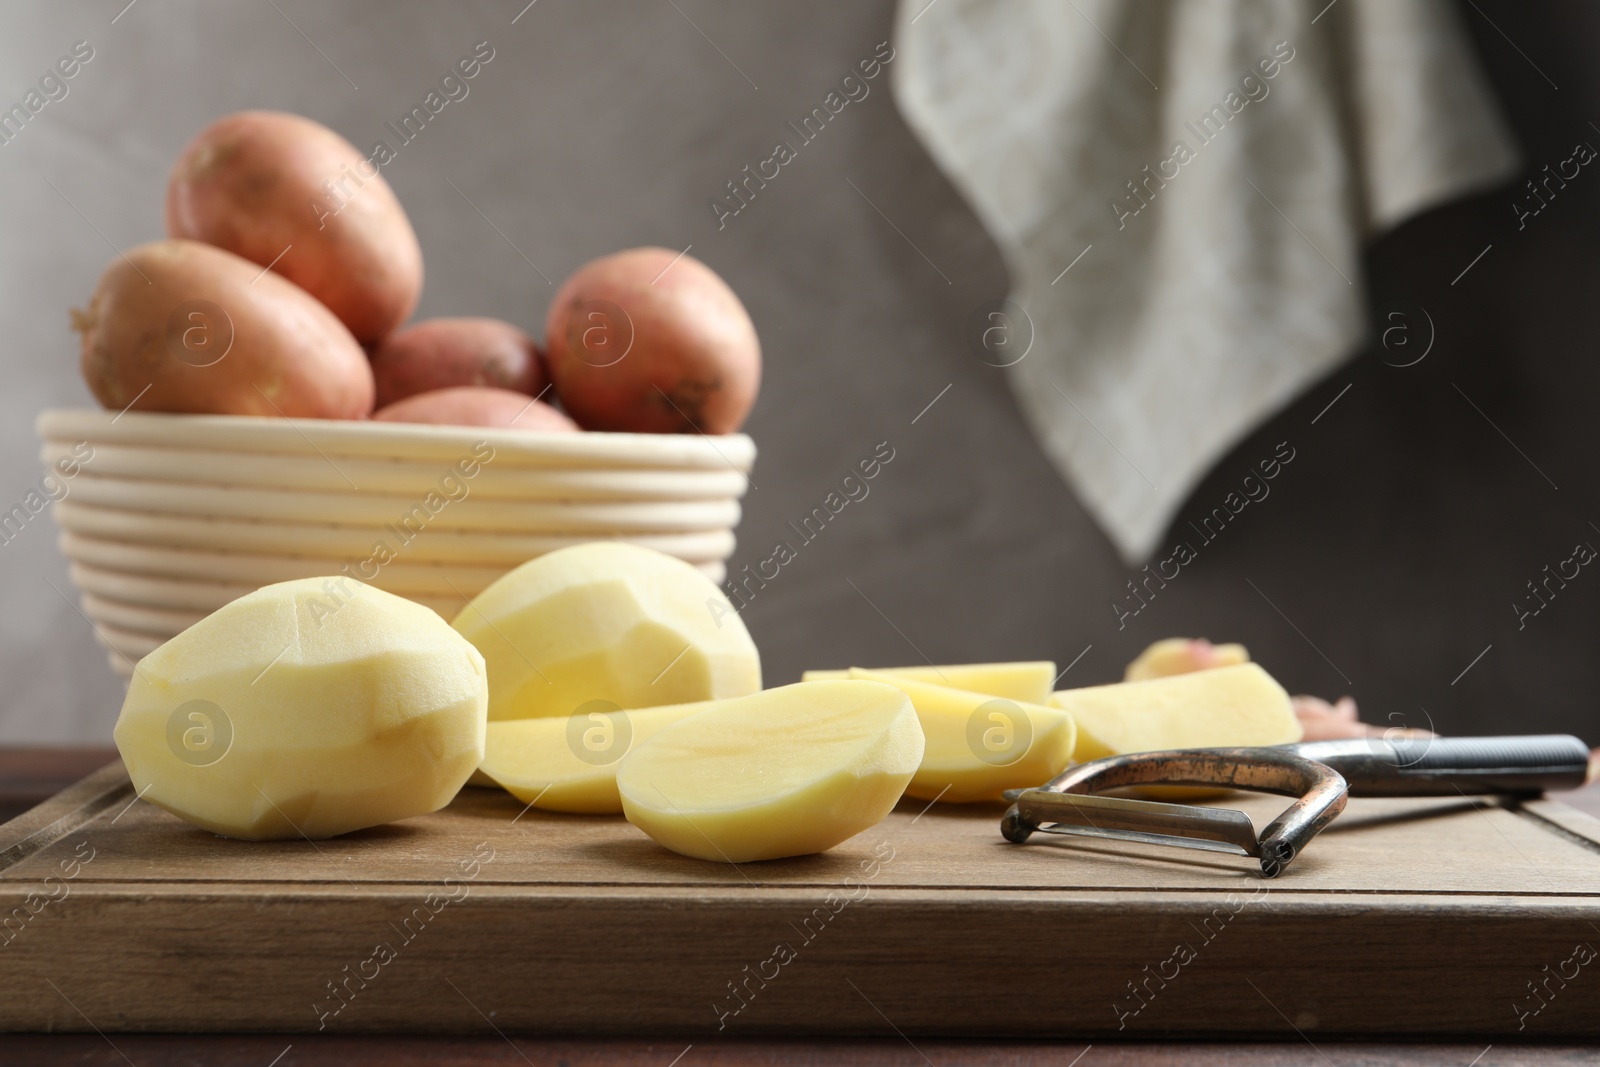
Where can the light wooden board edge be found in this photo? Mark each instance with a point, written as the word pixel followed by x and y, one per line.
pixel 615 960
pixel 613 963
pixel 1563 819
pixel 46 823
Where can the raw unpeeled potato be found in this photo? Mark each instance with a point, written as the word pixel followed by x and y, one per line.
pixel 1181 655
pixel 607 621
pixel 307 708
pixel 477 405
pixel 1240 705
pixel 293 196
pixel 182 327
pixel 978 744
pixel 1030 681
pixel 570 764
pixel 786 772
pixel 443 353
pixel 651 340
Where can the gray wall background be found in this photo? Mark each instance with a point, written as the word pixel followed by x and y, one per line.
pixel 1392 548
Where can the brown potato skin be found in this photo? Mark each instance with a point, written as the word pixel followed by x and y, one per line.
pixel 476 405
pixel 440 353
pixel 694 364
pixel 289 355
pixel 251 183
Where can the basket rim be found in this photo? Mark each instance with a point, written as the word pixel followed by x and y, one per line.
pixel 340 437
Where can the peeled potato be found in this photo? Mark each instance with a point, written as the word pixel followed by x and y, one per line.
pixel 307 708
pixel 1180 655
pixel 570 764
pixel 1028 681
pixel 979 745
pixel 607 621
pixel 787 772
pixel 1240 705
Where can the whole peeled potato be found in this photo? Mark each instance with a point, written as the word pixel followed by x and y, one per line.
pixel 476 405
pixel 180 326
pixel 640 343
pixel 282 190
pixel 440 353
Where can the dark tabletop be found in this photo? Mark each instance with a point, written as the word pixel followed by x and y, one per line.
pixel 29 775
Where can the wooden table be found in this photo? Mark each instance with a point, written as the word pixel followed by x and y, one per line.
pixel 29 775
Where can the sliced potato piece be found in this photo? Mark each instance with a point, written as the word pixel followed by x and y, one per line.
pixel 1240 705
pixel 979 745
pixel 1180 655
pixel 1028 681
pixel 312 707
pixel 785 772
pixel 570 764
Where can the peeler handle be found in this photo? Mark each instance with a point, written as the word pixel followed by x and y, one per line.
pixel 1444 766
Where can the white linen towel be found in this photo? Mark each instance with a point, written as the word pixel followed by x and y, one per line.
pixel 1209 170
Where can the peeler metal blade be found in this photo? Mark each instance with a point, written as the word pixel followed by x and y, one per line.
pixel 1319 774
pixel 1126 819
pixel 1069 803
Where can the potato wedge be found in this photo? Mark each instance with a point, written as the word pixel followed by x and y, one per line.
pixel 570 764
pixel 979 745
pixel 1030 681
pixel 1239 705
pixel 1180 655
pixel 785 772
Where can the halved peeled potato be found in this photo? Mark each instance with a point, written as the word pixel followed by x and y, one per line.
pixel 979 745
pixel 1028 681
pixel 570 763
pixel 785 772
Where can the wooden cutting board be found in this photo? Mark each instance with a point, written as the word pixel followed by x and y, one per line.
pixel 1446 917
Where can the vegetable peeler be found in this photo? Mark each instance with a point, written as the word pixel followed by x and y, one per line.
pixel 1321 774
